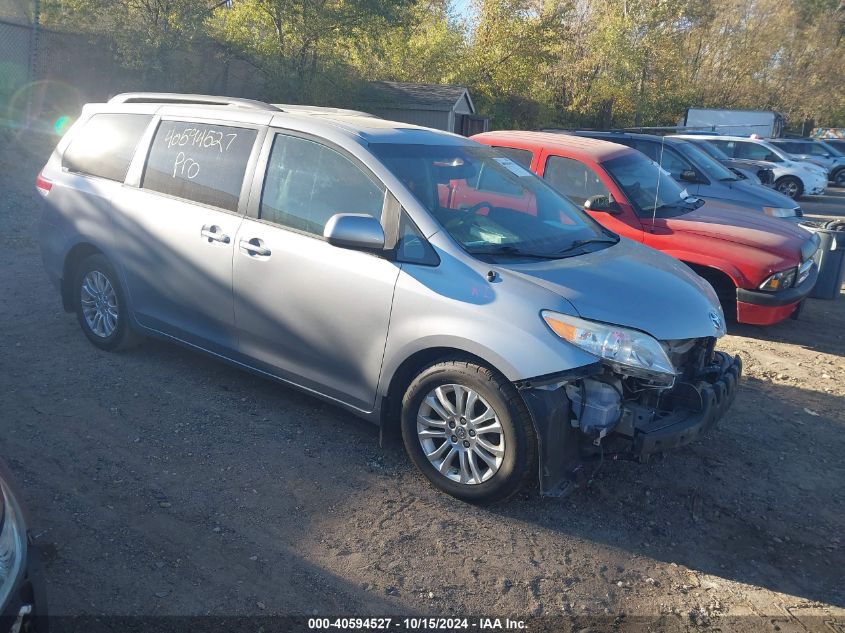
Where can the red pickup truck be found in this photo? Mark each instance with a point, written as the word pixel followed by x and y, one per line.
pixel 761 267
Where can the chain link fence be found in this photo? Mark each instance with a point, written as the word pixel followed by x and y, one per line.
pixel 46 75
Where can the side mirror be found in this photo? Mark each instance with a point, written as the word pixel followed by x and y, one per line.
pixel 689 175
pixel 355 231
pixel 601 203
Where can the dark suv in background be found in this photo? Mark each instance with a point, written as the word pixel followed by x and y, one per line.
pixel 701 175
pixel 755 171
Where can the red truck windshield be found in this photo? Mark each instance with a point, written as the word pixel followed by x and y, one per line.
pixel 649 189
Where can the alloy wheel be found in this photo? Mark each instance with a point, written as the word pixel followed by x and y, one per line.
pixel 460 434
pixel 788 188
pixel 99 304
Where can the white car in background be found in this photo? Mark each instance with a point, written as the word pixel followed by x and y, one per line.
pixel 813 151
pixel 792 177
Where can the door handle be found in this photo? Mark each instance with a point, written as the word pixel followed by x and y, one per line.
pixel 214 234
pixel 255 246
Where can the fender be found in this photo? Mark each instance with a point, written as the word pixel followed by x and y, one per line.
pixel 701 259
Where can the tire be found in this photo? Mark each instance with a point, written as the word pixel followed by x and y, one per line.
pixel 100 305
pixel 467 470
pixel 838 177
pixel 789 186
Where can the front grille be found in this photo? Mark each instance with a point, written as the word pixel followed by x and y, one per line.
pixel 766 176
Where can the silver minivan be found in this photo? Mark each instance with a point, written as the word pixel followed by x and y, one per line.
pixel 414 277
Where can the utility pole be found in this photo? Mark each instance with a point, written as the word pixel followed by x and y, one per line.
pixel 33 40
pixel 33 60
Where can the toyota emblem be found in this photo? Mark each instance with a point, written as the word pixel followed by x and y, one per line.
pixel 716 320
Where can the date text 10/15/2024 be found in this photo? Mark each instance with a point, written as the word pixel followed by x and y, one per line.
pixel 416 624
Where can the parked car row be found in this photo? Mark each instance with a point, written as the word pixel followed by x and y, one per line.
pixel 761 267
pixel 793 177
pixel 702 176
pixel 513 304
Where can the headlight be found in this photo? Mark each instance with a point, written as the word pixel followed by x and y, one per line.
pixel 627 351
pixel 779 281
pixel 779 212
pixel 12 544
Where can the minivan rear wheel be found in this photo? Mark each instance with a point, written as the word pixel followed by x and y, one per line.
pixel 101 305
pixel 789 186
pixel 468 431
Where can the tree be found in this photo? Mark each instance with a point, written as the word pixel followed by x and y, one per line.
pixel 294 41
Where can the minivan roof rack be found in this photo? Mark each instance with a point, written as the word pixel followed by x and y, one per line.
pixel 321 110
pixel 175 98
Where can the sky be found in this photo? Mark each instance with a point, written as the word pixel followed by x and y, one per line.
pixel 462 7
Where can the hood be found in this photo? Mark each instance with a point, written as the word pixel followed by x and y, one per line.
pixel 748 172
pixel 807 166
pixel 751 163
pixel 753 192
pixel 724 221
pixel 631 285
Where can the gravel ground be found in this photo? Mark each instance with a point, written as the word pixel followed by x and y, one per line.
pixel 160 481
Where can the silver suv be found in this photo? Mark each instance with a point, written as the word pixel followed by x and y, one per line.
pixel 413 277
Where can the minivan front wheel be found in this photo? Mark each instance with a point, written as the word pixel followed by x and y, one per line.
pixel 468 431
pixel 789 186
pixel 100 304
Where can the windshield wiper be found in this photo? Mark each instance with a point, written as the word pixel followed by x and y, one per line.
pixel 579 243
pixel 507 249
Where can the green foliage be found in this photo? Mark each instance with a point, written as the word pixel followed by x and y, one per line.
pixel 529 63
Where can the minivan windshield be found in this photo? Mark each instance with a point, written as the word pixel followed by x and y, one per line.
pixel 713 169
pixel 492 206
pixel 650 189
pixel 710 149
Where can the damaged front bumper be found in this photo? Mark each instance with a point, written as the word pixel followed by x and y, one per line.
pixel 638 427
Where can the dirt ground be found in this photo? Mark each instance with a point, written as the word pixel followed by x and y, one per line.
pixel 162 482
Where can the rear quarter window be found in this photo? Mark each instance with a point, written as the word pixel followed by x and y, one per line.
pixel 199 162
pixel 522 157
pixel 105 144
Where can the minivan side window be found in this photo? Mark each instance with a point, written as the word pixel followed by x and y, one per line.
pixel 307 183
pixel 412 247
pixel 105 144
pixel 729 147
pixel 652 150
pixel 573 179
pixel 755 151
pixel 201 162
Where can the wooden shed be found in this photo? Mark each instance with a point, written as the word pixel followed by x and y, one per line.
pixel 438 106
